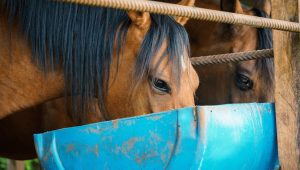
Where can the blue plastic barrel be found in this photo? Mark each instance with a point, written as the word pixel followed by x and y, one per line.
pixel 231 136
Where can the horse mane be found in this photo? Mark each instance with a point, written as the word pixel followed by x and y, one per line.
pixel 80 39
pixel 265 65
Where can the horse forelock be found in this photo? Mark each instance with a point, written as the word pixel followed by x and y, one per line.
pixel 163 29
pixel 264 65
pixel 81 39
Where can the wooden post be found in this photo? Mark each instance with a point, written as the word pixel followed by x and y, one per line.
pixel 15 165
pixel 287 86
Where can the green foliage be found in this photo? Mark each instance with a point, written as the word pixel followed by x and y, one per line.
pixel 29 164
pixel 32 164
pixel 3 164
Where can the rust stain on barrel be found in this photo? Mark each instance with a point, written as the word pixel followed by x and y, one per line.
pixel 128 145
pixel 70 147
pixel 155 117
pixel 96 150
pixel 145 156
pixel 115 123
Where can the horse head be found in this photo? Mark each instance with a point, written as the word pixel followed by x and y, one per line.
pixel 109 63
pixel 247 81
pixel 163 77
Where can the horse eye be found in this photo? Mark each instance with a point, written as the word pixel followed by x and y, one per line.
pixel 160 85
pixel 243 82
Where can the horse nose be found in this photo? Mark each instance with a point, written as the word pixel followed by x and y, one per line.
pixel 185 101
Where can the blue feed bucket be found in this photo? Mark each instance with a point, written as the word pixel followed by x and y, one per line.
pixel 231 136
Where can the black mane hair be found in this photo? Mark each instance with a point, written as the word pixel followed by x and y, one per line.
pixel 265 65
pixel 80 39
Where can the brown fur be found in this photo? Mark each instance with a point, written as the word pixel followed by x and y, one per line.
pixel 218 81
pixel 23 85
pixel 17 142
pixel 20 79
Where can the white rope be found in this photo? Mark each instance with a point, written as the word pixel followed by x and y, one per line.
pixel 191 12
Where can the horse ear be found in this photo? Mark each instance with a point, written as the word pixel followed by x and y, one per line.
pixel 264 5
pixel 231 6
pixel 140 19
pixel 183 20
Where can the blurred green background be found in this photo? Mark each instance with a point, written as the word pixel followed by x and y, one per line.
pixel 28 164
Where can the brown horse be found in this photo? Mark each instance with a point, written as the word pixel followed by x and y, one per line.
pixel 248 81
pixel 133 63
pixel 17 142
